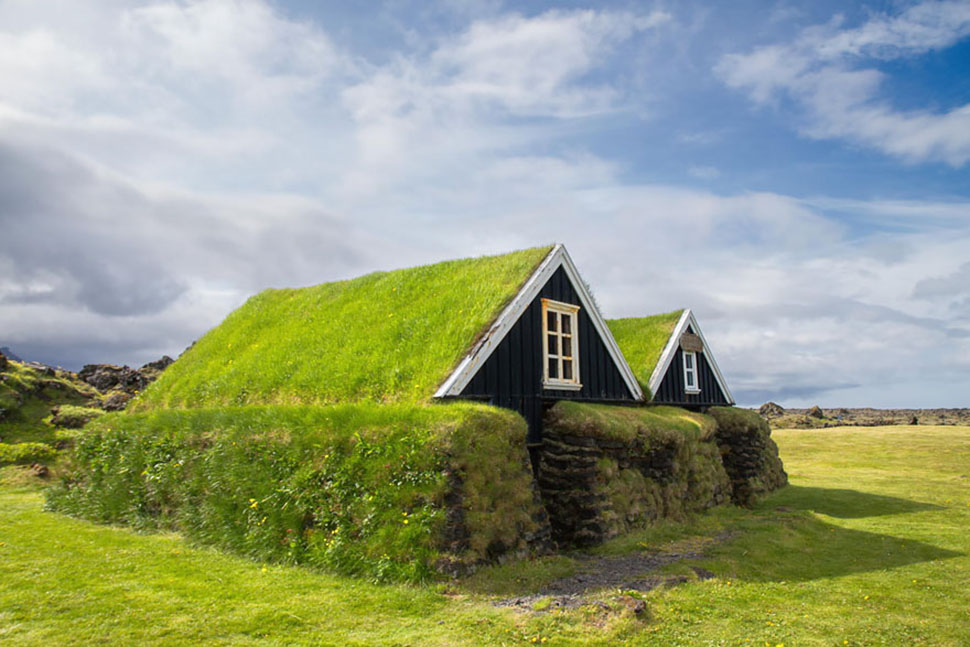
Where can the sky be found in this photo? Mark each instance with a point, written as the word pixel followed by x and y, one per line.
pixel 796 173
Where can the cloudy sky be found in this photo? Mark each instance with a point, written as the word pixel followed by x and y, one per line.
pixel 797 173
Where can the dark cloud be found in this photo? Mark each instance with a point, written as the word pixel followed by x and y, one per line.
pixel 64 237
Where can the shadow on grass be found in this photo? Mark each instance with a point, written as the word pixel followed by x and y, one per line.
pixel 796 548
pixel 845 504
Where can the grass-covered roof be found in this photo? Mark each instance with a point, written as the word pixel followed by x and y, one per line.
pixel 642 340
pixel 387 336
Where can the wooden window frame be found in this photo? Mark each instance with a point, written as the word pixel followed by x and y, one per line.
pixel 562 310
pixel 693 390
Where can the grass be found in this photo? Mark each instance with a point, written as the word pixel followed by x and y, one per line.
pixel 642 340
pixel 387 336
pixel 626 423
pixel 26 398
pixel 868 546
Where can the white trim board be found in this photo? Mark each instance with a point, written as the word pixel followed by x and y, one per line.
pixel 483 349
pixel 670 350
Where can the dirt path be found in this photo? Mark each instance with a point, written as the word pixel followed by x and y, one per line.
pixel 633 572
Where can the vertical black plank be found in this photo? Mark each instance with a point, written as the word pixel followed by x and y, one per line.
pixel 515 357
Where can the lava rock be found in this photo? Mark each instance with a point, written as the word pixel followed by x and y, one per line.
pixel 771 410
pixel 117 401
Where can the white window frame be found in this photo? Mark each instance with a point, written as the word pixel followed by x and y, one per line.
pixel 691 371
pixel 562 311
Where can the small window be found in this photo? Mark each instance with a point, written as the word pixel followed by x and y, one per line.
pixel 690 372
pixel 560 345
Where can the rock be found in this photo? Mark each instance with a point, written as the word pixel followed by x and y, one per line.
pixel 117 401
pixel 816 412
pixel 107 377
pixel 9 354
pixel 71 420
pixel 638 607
pixel 159 364
pixel 3 362
pixel 771 410
pixel 40 471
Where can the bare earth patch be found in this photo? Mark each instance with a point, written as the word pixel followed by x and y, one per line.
pixel 631 572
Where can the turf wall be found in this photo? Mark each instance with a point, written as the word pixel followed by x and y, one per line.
pixel 605 470
pixel 389 492
pixel 749 454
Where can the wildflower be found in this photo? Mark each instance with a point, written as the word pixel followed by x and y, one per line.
pixel 865 597
pixel 253 503
pixel 405 522
pixel 262 570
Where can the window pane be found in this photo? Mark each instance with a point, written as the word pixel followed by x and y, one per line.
pixel 551 321
pixel 553 368
pixel 690 379
pixel 553 344
pixel 567 324
pixel 567 345
pixel 567 369
pixel 688 360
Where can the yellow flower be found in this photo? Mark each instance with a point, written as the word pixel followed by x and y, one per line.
pixel 263 570
pixel 405 522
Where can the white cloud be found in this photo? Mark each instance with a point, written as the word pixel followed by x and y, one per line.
pixel 824 72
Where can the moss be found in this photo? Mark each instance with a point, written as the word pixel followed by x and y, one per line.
pixel 388 337
pixel 642 340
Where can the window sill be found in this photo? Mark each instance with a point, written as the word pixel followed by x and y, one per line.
pixel 692 391
pixel 561 386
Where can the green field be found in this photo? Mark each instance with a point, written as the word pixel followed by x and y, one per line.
pixel 870 545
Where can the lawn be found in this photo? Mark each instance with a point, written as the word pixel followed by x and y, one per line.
pixel 868 546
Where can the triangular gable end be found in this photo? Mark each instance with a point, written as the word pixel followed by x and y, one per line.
pixel 686 321
pixel 455 384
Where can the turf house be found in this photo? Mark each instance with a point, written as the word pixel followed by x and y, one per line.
pixel 671 357
pixel 414 423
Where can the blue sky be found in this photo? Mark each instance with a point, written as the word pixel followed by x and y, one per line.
pixel 797 173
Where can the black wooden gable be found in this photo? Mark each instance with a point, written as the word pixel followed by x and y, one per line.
pixel 672 389
pixel 512 376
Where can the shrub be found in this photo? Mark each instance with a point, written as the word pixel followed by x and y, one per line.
pixel 384 491
pixel 26 453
